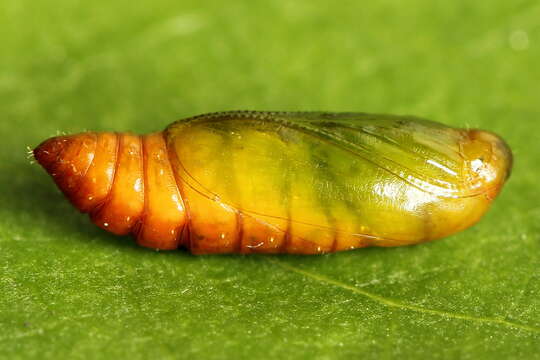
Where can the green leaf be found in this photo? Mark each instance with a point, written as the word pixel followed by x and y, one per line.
pixel 70 290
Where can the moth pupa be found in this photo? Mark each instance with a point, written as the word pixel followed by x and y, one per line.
pixel 281 182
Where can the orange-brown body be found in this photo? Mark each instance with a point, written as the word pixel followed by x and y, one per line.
pixel 178 188
pixel 124 181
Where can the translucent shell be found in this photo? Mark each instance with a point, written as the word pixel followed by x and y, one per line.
pixel 276 182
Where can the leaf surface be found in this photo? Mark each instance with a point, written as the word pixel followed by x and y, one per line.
pixel 70 290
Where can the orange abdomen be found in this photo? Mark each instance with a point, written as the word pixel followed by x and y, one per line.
pixel 124 181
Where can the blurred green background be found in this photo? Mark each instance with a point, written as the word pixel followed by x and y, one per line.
pixel 68 289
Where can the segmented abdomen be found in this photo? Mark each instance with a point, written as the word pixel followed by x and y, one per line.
pixel 129 184
pixel 124 181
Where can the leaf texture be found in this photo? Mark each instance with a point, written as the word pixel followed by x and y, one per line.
pixel 70 290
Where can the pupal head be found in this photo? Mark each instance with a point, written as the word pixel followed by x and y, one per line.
pixel 488 162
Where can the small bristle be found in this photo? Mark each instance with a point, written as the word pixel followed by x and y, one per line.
pixel 30 155
pixel 59 133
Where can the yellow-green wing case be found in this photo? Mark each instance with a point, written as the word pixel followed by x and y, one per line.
pixel 318 182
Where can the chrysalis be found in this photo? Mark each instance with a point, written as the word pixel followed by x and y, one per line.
pixel 282 182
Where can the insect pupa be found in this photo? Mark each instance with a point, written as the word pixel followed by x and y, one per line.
pixel 281 182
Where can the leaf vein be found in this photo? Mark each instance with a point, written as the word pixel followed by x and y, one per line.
pixel 404 306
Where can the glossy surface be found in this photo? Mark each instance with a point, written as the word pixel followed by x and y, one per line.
pixel 284 182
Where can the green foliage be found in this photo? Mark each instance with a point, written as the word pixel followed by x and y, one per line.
pixel 68 289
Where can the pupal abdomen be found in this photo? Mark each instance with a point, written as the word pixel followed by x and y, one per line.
pixel 123 181
pixel 282 182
